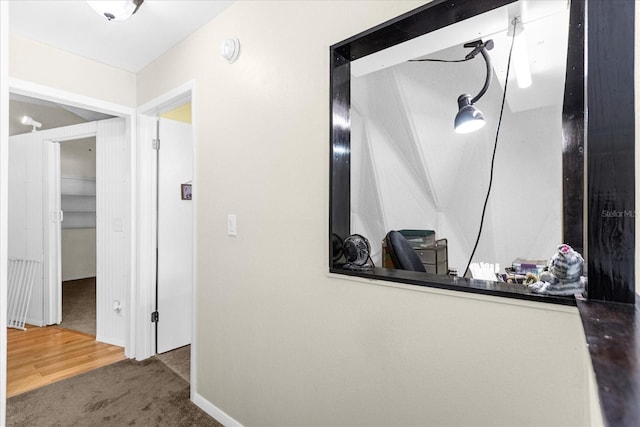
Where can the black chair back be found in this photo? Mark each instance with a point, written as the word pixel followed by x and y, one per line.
pixel 403 256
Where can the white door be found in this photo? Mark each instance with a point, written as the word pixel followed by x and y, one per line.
pixel 27 213
pixel 175 236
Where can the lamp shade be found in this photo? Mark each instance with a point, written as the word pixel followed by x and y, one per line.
pixel 469 118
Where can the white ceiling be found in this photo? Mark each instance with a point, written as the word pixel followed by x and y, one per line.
pixel 130 45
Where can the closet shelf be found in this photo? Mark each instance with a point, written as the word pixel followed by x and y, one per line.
pixel 78 202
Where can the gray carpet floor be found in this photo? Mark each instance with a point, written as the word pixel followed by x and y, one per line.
pixel 145 393
pixel 154 392
pixel 79 305
pixel 179 361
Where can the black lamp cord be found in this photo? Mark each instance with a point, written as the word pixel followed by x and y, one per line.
pixel 493 157
pixel 440 60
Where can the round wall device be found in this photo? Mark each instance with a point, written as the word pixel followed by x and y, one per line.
pixel 230 49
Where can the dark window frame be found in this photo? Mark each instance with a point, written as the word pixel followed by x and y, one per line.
pixel 608 95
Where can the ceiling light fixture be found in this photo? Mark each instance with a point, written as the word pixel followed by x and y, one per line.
pixel 115 10
pixel 521 55
pixel 26 120
pixel 469 118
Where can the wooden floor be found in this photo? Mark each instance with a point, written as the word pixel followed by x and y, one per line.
pixel 40 356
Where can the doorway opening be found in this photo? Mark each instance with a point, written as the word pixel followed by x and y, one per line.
pixel 53 177
pixel 78 234
pixel 166 261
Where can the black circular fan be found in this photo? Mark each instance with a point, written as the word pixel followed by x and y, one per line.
pixel 357 251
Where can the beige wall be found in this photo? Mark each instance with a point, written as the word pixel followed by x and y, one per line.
pixel 33 61
pixel 279 341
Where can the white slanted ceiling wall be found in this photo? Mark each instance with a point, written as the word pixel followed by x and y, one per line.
pixel 411 171
pixel 279 341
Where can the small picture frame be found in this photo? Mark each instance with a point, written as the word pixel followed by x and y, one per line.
pixel 185 190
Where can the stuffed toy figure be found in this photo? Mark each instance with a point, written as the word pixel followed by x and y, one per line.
pixel 563 275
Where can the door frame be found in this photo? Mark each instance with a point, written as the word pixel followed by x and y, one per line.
pixel 147 115
pixel 34 90
pixel 52 295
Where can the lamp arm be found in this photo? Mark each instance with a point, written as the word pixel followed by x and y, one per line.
pixel 487 80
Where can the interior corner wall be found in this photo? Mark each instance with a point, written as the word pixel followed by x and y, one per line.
pixel 279 341
pixel 48 66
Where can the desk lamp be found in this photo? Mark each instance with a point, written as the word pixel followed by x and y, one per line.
pixel 470 118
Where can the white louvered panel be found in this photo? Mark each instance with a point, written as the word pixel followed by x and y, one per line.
pixel 51 286
pixel 113 230
pixel 52 303
pixel 26 212
pixel 50 290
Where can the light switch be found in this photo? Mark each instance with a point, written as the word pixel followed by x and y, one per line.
pixel 231 225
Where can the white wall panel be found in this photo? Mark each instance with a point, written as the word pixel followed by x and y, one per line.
pixel 113 230
pixel 78 253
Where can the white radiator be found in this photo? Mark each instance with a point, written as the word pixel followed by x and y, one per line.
pixel 22 275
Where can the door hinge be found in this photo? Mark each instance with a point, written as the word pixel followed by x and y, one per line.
pixel 155 317
pixel 155 144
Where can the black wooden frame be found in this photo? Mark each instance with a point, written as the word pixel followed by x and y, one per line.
pixel 606 135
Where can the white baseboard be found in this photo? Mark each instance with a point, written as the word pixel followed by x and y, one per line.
pixel 214 411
